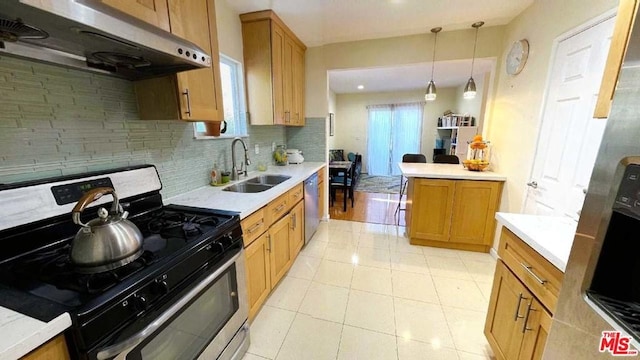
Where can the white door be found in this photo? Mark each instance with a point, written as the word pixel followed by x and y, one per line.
pixel 569 135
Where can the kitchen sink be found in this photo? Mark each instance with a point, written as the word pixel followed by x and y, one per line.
pixel 268 179
pixel 247 187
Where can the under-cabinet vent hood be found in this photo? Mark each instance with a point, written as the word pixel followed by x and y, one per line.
pixel 89 35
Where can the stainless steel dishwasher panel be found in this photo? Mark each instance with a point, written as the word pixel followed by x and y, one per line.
pixel 311 218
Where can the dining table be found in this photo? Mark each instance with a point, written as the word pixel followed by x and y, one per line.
pixel 337 167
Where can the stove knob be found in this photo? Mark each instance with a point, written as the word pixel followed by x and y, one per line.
pixel 227 240
pixel 140 302
pixel 161 287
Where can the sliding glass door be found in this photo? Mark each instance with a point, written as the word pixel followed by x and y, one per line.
pixel 394 130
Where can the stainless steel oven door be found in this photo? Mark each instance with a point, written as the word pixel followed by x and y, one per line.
pixel 201 324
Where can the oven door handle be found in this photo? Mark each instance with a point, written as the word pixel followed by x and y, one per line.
pixel 113 350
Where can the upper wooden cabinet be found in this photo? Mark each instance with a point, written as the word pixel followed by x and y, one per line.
pixel 457 214
pixel 274 70
pixel 620 40
pixel 155 12
pixel 194 95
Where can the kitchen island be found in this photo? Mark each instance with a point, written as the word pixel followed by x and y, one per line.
pixel 450 207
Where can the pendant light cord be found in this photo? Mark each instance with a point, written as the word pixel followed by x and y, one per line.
pixel 475 44
pixel 433 57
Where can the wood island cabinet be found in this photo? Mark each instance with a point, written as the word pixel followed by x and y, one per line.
pixel 523 298
pixel 194 95
pixel 457 214
pixel 322 190
pixel 154 12
pixel 273 237
pixel 274 70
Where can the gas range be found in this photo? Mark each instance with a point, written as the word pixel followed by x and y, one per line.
pixel 181 247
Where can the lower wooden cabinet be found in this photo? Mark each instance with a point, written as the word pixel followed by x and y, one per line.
pixel 269 255
pixel 517 324
pixel 258 269
pixel 279 249
pixel 296 229
pixel 456 214
pixel 54 349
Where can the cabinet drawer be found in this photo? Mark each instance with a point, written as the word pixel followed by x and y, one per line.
pixel 537 273
pixel 253 226
pixel 296 194
pixel 277 208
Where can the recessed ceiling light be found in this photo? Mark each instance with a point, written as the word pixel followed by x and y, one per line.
pixel 360 87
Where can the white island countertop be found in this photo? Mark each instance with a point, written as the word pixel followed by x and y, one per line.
pixel 446 171
pixel 550 236
pixel 213 197
pixel 21 334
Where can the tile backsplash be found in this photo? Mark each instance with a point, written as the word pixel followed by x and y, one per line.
pixel 309 138
pixel 58 121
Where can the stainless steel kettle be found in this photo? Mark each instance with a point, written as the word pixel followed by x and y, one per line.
pixel 107 242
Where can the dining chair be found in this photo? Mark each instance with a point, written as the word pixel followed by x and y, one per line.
pixel 353 176
pixel 446 159
pixel 406 158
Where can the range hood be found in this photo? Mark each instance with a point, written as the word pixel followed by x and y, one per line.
pixel 88 35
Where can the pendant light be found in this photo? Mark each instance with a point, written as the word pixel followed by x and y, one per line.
pixel 430 95
pixel 470 88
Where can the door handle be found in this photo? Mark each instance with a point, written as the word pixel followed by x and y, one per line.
pixel 533 184
pixel 517 316
pixel 186 93
pixel 526 318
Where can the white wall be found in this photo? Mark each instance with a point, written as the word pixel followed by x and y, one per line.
pixel 229 31
pixel 413 49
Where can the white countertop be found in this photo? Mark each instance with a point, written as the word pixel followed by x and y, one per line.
pixel 446 171
pixel 550 236
pixel 21 334
pixel 246 203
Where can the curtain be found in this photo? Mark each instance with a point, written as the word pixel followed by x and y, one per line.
pixel 407 132
pixel 394 130
pixel 379 139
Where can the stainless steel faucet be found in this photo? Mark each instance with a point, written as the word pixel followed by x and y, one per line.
pixel 235 173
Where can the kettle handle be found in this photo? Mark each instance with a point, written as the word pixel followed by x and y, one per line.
pixel 89 197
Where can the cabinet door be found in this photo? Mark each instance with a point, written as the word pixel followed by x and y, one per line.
pixel 152 11
pixel 474 209
pixel 280 249
pixel 431 204
pixel 296 229
pixel 287 80
pixel 258 273
pixel 277 62
pixel 55 348
pixel 538 324
pixel 200 90
pixel 297 113
pixel 507 309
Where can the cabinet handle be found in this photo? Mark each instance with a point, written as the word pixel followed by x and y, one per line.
pixel 186 93
pixel 269 243
pixel 279 208
pixel 517 315
pixel 526 318
pixel 530 271
pixel 295 221
pixel 254 227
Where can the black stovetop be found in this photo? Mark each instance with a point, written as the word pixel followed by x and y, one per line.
pixel 47 273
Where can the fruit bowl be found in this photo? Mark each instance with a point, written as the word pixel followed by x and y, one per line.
pixel 475 165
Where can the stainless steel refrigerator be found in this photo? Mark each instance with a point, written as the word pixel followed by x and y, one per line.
pixel 601 286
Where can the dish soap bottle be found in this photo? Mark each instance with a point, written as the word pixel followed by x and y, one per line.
pixel 216 176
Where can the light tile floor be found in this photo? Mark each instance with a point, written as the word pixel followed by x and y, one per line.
pixel 361 291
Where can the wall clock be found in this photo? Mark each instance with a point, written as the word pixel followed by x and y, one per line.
pixel 517 57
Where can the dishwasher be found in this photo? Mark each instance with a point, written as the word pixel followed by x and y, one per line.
pixel 311 218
